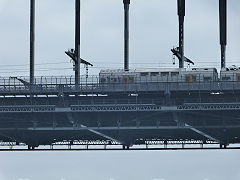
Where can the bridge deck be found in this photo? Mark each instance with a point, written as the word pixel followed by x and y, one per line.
pixel 128 114
pixel 56 85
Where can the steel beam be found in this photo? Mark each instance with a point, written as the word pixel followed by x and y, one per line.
pixel 176 119
pixel 120 108
pixel 223 30
pixel 81 126
pixel 119 149
pixel 203 133
pixel 149 142
pixel 96 129
pixel 126 34
pixel 32 40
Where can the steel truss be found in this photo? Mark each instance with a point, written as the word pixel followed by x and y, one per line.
pixel 113 143
pixel 100 145
pixel 120 108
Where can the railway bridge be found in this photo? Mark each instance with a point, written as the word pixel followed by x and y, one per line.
pixel 82 112
pixel 54 112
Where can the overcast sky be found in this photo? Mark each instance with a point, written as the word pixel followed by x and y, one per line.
pixel 153 32
pixel 122 165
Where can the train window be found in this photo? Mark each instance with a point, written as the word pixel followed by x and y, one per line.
pixel 207 78
pixel 113 79
pixel 238 77
pixel 190 78
pixel 154 73
pixel 102 80
pixel 125 80
pixel 131 79
pixel 174 73
pixel 144 73
pixel 164 73
pixel 226 78
pixel 187 78
pixel 194 78
pixel 128 79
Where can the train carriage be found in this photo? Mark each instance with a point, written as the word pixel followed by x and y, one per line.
pixel 158 75
pixel 230 74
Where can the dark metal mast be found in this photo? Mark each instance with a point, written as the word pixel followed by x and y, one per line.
pixel 74 54
pixel 181 14
pixel 126 34
pixel 32 40
pixel 179 51
pixel 77 42
pixel 223 30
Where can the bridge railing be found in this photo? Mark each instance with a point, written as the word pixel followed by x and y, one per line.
pixel 93 84
pixel 95 79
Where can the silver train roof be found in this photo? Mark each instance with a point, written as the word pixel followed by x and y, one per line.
pixel 155 70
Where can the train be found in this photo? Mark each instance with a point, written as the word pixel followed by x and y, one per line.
pixel 189 75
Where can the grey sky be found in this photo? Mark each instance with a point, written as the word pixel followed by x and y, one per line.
pixel 154 31
pixel 168 165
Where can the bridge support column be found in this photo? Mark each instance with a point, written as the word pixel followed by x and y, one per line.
pixel 32 41
pixel 126 34
pixel 223 30
pixel 126 147
pixel 223 146
pixel 181 14
pixel 77 42
pixel 31 147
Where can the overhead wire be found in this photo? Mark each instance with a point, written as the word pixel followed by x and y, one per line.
pixel 98 62
pixel 99 65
